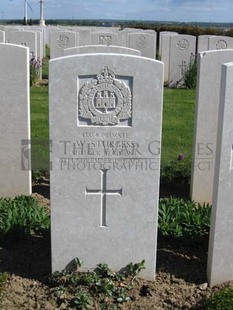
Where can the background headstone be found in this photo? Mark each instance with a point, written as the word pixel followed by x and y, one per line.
pixel 8 30
pixel 206 120
pixel 25 38
pixel 202 43
pixel 161 34
pixel 220 254
pixel 165 46
pixel 84 36
pixel 144 42
pixel 14 121
pixel 105 181
pixel 182 51
pixel 220 42
pixel 59 40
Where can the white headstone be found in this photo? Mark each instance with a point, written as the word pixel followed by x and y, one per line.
pixel 25 38
pixel 161 34
pixel 165 45
pixel 106 159
pixel 220 42
pixel 100 49
pixel 182 51
pixel 8 30
pixel 202 43
pixel 206 119
pixel 220 254
pixel 84 36
pixel 144 42
pixel 49 30
pixel 59 40
pixel 14 121
pixel 41 38
pixel 40 47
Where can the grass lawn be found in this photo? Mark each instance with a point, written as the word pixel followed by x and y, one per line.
pixel 177 133
pixel 40 128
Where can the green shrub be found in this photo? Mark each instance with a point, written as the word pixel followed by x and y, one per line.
pixel 176 171
pixel 222 300
pixel 39 175
pixel 180 217
pixel 22 214
pixel 190 76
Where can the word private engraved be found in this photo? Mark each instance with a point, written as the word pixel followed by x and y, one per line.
pixel 105 100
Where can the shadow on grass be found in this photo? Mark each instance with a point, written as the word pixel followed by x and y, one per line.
pixel 174 188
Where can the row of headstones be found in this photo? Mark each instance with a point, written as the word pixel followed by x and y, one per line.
pixel 176 51
pixel 58 39
pixel 106 153
pixel 142 40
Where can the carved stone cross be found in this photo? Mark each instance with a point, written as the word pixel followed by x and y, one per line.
pixel 103 192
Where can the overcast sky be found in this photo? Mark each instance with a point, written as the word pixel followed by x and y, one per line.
pixel 157 10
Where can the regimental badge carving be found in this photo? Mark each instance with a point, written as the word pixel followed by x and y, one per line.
pixel 105 100
pixel 63 41
pixel 183 44
pixel 221 45
pixel 105 40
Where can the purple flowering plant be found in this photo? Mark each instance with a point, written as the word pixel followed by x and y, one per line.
pixel 35 65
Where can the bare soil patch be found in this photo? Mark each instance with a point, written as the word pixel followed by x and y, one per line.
pixel 180 280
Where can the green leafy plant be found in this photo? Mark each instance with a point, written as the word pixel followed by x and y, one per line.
pixel 123 295
pixel 22 214
pixel 180 217
pixel 104 271
pixel 108 287
pixel 38 176
pixel 222 300
pixel 105 286
pixel 3 280
pixel 59 291
pixel 88 279
pixel 82 301
pixel 134 269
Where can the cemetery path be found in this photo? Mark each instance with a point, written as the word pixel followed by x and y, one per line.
pixel 180 280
